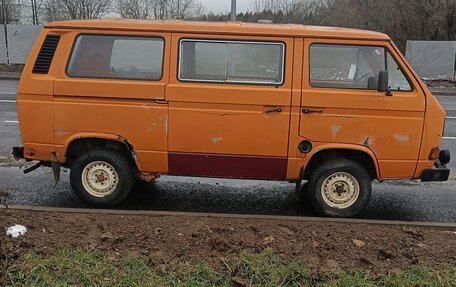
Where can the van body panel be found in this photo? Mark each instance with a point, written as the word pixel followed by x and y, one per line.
pixel 434 121
pixel 129 109
pixel 34 106
pixel 433 133
pixel 228 166
pixel 389 126
pixel 225 124
pixel 36 109
pixel 293 169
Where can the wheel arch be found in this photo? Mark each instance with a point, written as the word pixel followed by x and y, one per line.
pixel 85 141
pixel 359 154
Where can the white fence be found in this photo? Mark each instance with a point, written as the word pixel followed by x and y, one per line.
pixel 3 58
pixel 433 60
pixel 17 43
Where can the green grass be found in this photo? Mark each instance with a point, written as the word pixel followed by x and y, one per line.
pixel 82 268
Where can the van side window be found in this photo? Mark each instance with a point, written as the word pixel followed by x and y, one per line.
pixel 397 80
pixel 117 57
pixel 354 67
pixel 232 62
pixel 345 66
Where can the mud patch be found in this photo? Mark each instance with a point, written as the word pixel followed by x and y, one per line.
pixel 169 240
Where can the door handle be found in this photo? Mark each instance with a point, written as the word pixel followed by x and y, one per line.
pixel 161 102
pixel 273 110
pixel 310 111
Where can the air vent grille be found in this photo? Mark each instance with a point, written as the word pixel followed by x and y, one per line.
pixel 44 59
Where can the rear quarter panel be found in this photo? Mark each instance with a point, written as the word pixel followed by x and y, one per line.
pixel 34 103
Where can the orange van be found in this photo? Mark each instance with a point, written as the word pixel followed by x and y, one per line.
pixel 117 100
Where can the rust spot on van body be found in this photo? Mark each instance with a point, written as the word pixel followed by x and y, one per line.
pixel 61 132
pixel 402 138
pixel 334 130
pixel 368 142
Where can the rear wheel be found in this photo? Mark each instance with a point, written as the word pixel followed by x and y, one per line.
pixel 339 188
pixel 101 177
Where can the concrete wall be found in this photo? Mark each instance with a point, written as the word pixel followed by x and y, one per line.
pixel 20 41
pixel 3 59
pixel 433 60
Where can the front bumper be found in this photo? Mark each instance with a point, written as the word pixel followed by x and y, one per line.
pixel 440 172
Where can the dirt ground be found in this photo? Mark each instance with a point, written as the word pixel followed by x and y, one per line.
pixel 168 241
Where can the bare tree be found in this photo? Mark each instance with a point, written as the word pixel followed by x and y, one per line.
pixel 76 9
pixel 183 9
pixel 161 9
pixel 36 9
pixel 135 9
pixel 8 12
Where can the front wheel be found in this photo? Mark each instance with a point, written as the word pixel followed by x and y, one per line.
pixel 101 177
pixel 339 188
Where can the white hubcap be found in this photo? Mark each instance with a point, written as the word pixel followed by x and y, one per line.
pixel 340 190
pixel 100 179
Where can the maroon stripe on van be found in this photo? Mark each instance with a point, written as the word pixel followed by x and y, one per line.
pixel 227 166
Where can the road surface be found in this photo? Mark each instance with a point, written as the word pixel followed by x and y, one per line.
pixel 403 200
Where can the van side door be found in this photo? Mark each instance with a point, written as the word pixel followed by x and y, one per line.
pixel 341 104
pixel 230 106
pixel 112 86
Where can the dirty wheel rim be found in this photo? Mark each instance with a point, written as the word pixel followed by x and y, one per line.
pixel 340 190
pixel 100 179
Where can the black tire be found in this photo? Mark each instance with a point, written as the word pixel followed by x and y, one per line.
pixel 333 167
pixel 303 198
pixel 121 166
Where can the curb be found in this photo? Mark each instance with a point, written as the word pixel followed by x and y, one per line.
pixel 444 92
pixel 234 216
pixel 11 78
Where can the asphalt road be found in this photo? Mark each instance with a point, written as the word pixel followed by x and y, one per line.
pixel 402 200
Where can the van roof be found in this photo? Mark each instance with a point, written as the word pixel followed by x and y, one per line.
pixel 238 28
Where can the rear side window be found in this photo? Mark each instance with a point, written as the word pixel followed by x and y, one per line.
pixel 353 67
pixel 117 57
pixel 232 62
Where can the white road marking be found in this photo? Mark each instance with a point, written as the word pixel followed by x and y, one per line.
pixel 7 101
pixel 11 122
pixel 6 93
pixel 449 138
pixel 451 118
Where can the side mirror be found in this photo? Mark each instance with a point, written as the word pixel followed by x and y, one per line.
pixel 383 83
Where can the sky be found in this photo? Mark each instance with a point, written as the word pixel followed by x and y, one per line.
pixel 225 5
